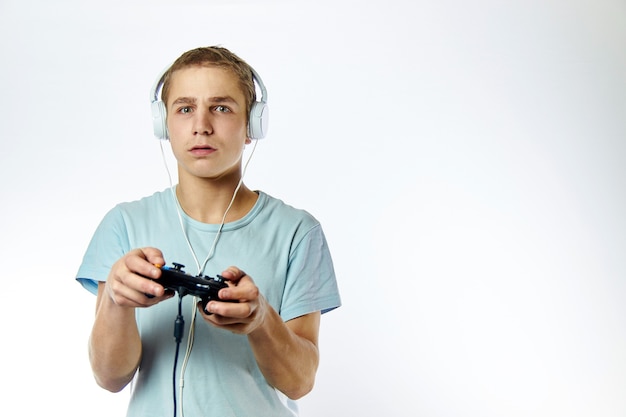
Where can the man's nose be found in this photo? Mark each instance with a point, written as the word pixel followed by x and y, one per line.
pixel 203 124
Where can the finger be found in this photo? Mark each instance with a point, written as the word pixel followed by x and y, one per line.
pixel 135 276
pixel 145 260
pixel 244 290
pixel 124 295
pixel 140 265
pixel 235 311
pixel 153 256
pixel 235 325
pixel 232 273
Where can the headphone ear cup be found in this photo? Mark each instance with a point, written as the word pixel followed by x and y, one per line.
pixel 259 117
pixel 159 117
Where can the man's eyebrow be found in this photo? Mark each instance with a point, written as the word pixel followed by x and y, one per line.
pixel 184 100
pixel 216 99
pixel 223 99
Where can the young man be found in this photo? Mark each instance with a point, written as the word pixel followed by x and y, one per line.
pixel 252 357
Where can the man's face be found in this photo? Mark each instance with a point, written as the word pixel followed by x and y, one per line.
pixel 206 118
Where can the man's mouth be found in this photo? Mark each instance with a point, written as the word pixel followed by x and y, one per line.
pixel 202 150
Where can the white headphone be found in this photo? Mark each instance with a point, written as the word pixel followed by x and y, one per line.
pixel 257 123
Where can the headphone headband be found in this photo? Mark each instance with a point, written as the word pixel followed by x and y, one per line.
pixel 257 121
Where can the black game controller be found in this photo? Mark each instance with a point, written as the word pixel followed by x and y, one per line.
pixel 204 287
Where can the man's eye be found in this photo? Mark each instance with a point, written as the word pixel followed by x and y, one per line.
pixel 185 110
pixel 222 109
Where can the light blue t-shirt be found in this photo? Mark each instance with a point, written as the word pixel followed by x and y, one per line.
pixel 282 248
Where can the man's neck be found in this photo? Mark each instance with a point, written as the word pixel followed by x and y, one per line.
pixel 207 201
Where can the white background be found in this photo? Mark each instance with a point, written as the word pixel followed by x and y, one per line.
pixel 466 159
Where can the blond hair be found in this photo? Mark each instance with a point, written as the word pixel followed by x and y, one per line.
pixel 219 57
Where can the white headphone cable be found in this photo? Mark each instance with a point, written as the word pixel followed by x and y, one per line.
pixel 190 337
pixel 219 231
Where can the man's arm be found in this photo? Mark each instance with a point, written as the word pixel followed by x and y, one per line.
pixel 115 344
pixel 286 353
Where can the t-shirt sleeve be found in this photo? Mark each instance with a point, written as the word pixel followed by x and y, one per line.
pixel 108 244
pixel 311 283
